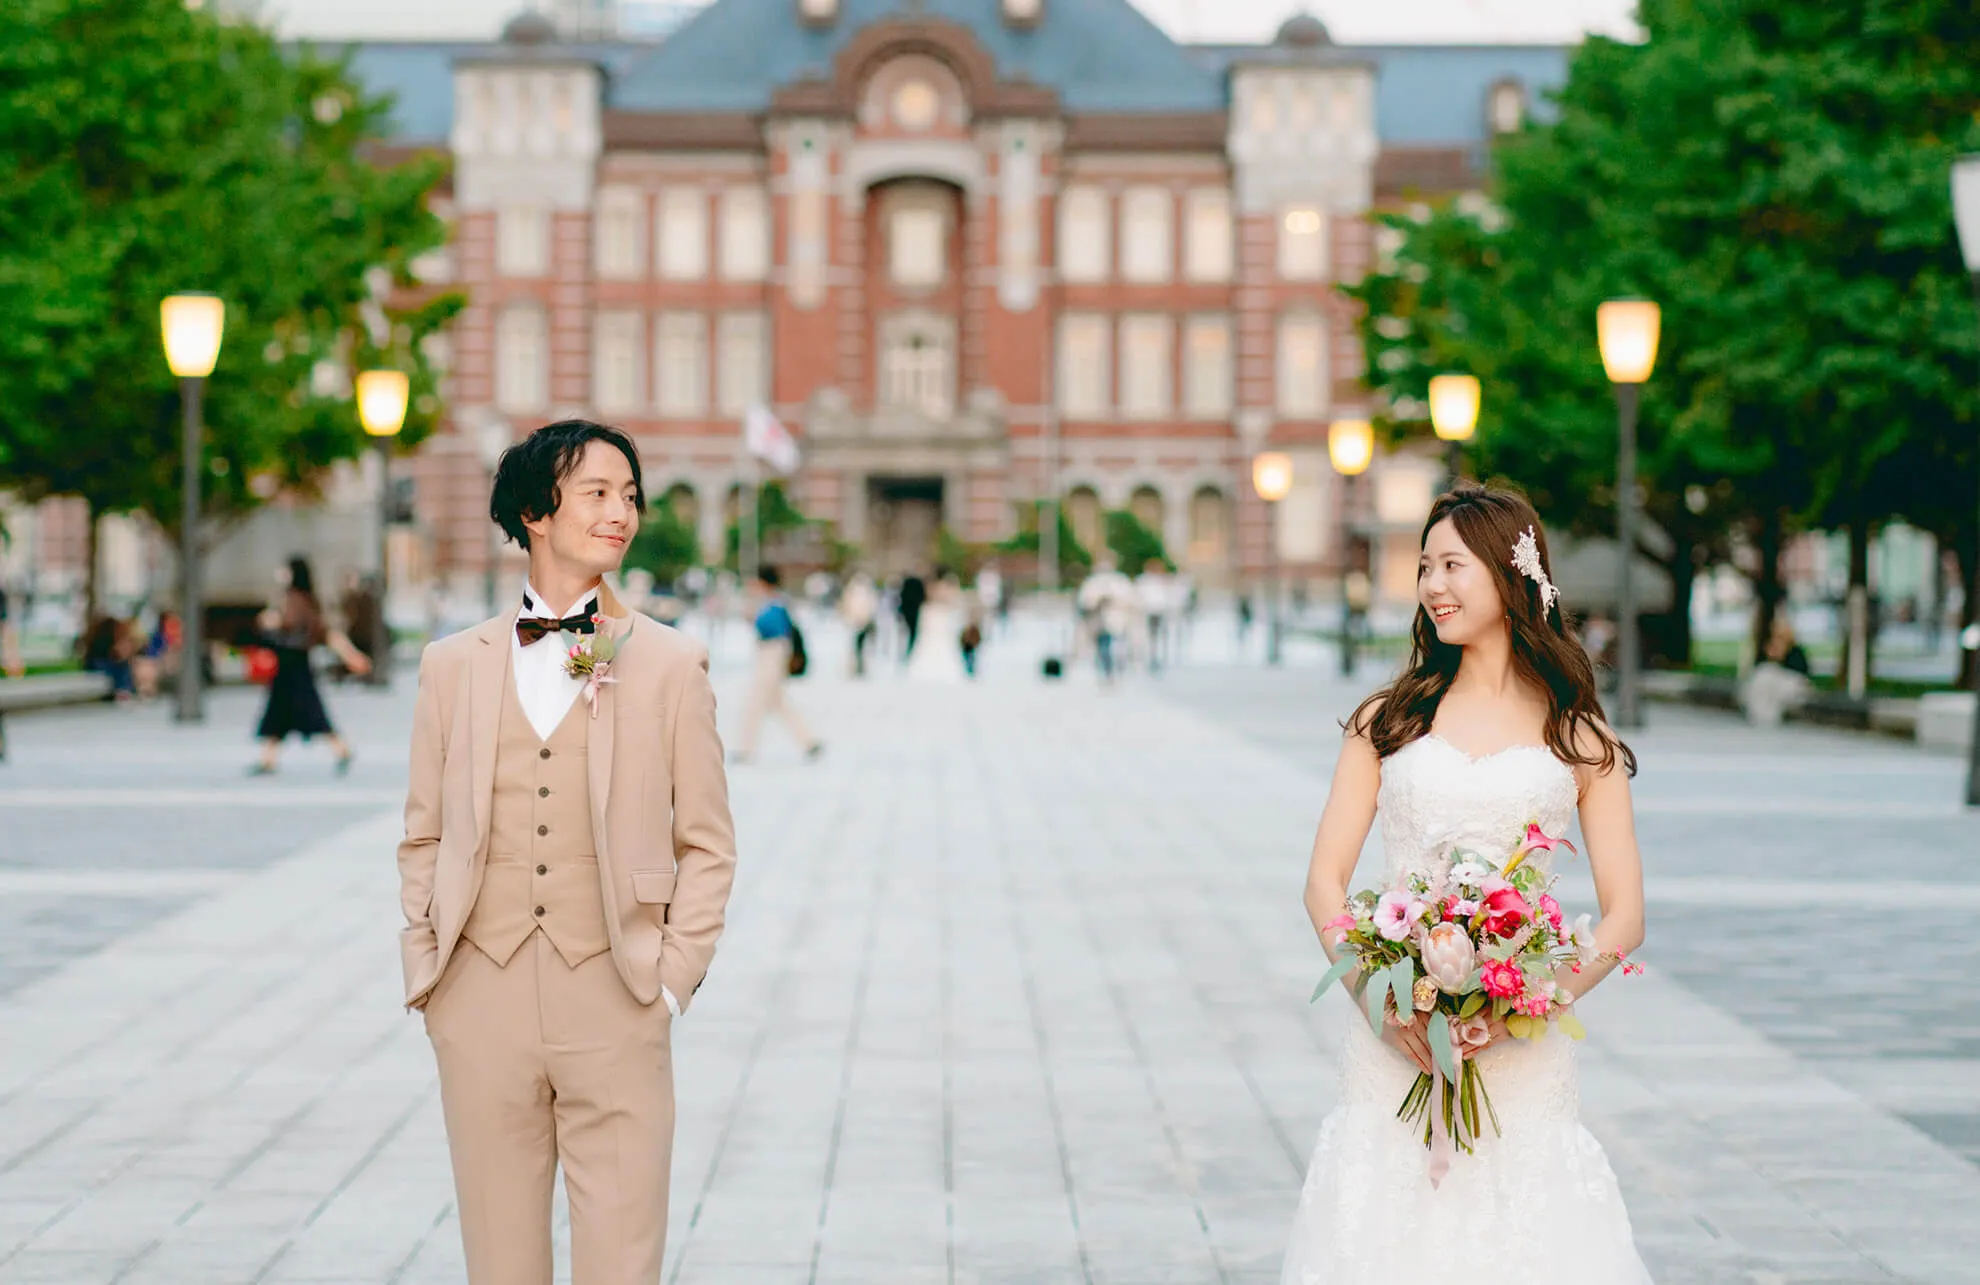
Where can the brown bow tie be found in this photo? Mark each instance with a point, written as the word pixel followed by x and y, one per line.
pixel 533 629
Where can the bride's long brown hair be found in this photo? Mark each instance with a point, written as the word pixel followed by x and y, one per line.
pixel 1490 520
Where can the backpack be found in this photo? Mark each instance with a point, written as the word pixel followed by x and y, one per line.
pixel 799 661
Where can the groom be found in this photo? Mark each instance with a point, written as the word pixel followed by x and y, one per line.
pixel 567 859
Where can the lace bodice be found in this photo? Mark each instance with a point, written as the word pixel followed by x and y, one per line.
pixel 1434 796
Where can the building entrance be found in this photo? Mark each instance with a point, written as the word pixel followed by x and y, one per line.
pixel 903 515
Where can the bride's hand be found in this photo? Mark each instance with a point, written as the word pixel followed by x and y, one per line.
pixel 1411 1042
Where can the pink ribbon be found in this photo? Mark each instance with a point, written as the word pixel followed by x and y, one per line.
pixel 1441 1147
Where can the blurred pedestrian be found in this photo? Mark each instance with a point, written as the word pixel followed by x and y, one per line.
pixel 158 662
pixel 294 705
pixel 364 623
pixel 1108 596
pixel 1244 618
pixel 10 642
pixel 1155 592
pixel 1779 682
pixel 913 596
pixel 108 646
pixel 990 593
pixel 859 606
pixel 777 657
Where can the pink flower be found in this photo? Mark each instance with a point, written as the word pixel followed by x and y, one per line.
pixel 1534 1004
pixel 1396 913
pixel 1537 840
pixel 1550 910
pixel 1471 1034
pixel 1448 957
pixel 1345 922
pixel 1502 979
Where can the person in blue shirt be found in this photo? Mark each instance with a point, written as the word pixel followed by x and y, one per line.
pixel 778 641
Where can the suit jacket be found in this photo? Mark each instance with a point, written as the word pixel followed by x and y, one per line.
pixel 659 801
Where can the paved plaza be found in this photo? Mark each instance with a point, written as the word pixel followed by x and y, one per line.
pixel 1014 992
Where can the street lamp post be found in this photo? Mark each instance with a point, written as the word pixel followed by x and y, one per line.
pixel 1627 330
pixel 1271 478
pixel 191 325
pixel 1454 414
pixel 1966 221
pixel 381 399
pixel 1350 448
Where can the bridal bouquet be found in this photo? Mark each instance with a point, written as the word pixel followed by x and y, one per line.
pixel 1478 942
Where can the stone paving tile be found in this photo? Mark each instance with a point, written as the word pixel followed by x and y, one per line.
pixel 1014 991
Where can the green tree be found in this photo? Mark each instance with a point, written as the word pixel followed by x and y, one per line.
pixel 1075 560
pixel 666 544
pixel 148 148
pixel 1133 544
pixel 1776 178
pixel 775 513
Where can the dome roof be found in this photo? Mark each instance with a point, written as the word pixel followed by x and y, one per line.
pixel 1303 31
pixel 530 28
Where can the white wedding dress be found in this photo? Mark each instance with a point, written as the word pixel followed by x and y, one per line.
pixel 1537 1205
pixel 937 654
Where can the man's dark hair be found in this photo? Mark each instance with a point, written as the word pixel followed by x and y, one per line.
pixel 769 576
pixel 528 481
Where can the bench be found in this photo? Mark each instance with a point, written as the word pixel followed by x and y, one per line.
pixel 44 691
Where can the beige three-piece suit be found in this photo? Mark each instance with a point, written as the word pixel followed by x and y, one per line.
pixel 551 888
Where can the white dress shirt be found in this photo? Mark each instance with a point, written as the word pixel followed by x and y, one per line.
pixel 545 692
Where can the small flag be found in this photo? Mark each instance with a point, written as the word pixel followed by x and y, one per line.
pixel 769 440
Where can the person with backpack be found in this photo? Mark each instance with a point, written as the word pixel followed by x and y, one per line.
pixel 780 656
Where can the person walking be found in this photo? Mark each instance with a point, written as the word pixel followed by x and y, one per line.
pixel 1155 593
pixel 294 704
pixel 777 643
pixel 859 606
pixel 564 877
pixel 1108 596
pixel 913 596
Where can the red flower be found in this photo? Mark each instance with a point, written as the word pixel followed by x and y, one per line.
pixel 1502 979
pixel 1505 910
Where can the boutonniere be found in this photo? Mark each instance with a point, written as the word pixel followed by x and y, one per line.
pixel 590 658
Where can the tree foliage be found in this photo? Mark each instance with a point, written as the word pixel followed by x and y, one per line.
pixel 148 148
pixel 1775 176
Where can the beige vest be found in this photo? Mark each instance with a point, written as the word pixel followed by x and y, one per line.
pixel 542 873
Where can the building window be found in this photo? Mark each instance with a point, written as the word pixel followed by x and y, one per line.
pixel 915 105
pixel 1083 516
pixel 917 366
pixel 1147 242
pixel 1148 509
pixel 1084 248
pixel 1303 366
pixel 522 241
pixel 615 364
pixel 745 234
pixel 1264 107
pixel 680 365
pixel 1207 235
pixel 1505 107
pixel 1303 244
pixel 1304 113
pixel 1145 364
pixel 621 219
pixel 743 369
pixel 1085 374
pixel 917 246
pixel 1207 368
pixel 683 234
pixel 1209 528
pixel 522 360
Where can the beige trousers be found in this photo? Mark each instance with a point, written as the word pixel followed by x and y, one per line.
pixel 766 696
pixel 541 1063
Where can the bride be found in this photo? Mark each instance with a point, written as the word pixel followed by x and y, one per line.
pixel 937 655
pixel 1494 723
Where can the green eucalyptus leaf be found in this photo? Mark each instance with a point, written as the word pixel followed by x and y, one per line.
pixel 1339 970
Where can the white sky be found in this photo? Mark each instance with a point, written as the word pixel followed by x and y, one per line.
pixel 1350 21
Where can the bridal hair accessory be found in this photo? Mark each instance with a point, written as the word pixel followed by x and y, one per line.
pixel 590 658
pixel 1526 558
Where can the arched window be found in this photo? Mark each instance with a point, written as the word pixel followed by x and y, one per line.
pixel 685 503
pixel 1146 505
pixel 1083 514
pixel 1209 528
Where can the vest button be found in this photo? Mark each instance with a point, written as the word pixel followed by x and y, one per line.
pixel 539 912
pixel 543 754
pixel 542 791
pixel 543 829
pixel 543 870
